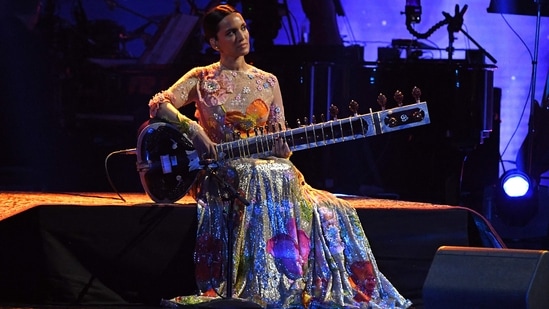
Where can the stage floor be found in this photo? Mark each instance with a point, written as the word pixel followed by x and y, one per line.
pixel 95 249
pixel 12 203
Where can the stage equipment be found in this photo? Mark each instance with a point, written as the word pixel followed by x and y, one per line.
pixel 143 252
pixel 170 39
pixel 525 165
pixel 413 11
pixel 112 4
pixel 466 277
pixel 173 33
pixel 455 24
pixel 536 8
pixel 517 198
pixel 518 7
pixel 227 180
pixel 168 164
pixel 516 183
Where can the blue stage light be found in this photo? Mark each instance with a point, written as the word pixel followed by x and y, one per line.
pixel 515 183
pixel 516 201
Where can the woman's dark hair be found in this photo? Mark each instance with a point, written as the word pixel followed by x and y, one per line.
pixel 210 24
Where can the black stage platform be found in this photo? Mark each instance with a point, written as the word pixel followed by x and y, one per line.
pixel 94 249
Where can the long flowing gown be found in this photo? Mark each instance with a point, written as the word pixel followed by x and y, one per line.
pixel 294 246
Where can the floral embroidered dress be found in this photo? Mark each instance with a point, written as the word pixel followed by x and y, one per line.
pixel 294 246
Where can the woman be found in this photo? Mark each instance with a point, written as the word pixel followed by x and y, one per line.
pixel 295 246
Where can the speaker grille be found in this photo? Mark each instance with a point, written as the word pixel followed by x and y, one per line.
pixel 463 277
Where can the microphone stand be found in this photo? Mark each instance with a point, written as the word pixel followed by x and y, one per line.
pixel 230 195
pixel 480 47
pixel 455 24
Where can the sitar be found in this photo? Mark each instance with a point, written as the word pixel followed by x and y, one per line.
pixel 168 164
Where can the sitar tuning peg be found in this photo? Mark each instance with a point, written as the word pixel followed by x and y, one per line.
pixel 416 93
pixel 353 106
pixel 382 101
pixel 399 97
pixel 333 112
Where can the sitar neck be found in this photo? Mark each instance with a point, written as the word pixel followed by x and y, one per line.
pixel 330 132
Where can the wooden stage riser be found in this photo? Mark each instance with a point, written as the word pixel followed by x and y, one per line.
pixel 67 254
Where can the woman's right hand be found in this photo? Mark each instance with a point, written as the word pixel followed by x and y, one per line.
pixel 204 146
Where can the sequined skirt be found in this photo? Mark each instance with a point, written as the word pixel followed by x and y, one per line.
pixel 293 246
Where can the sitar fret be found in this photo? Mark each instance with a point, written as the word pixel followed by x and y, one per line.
pixel 341 129
pixel 323 135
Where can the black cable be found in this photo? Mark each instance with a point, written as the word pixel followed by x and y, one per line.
pixel 428 33
pixel 130 151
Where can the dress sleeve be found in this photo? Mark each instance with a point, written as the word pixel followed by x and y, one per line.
pixel 165 104
pixel 183 92
pixel 276 110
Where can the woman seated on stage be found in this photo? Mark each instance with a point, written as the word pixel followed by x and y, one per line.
pixel 294 246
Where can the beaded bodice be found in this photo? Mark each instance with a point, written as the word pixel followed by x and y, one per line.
pixel 228 100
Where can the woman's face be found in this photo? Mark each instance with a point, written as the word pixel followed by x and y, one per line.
pixel 233 38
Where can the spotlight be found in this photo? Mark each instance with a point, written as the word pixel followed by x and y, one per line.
pixel 515 184
pixel 516 202
pixel 413 11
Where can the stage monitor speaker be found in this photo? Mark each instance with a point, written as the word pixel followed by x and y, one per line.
pixel 465 277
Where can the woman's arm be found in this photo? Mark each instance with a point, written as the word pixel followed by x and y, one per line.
pixel 276 114
pixel 276 117
pixel 164 105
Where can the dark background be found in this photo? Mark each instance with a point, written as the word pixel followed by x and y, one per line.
pixel 85 99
